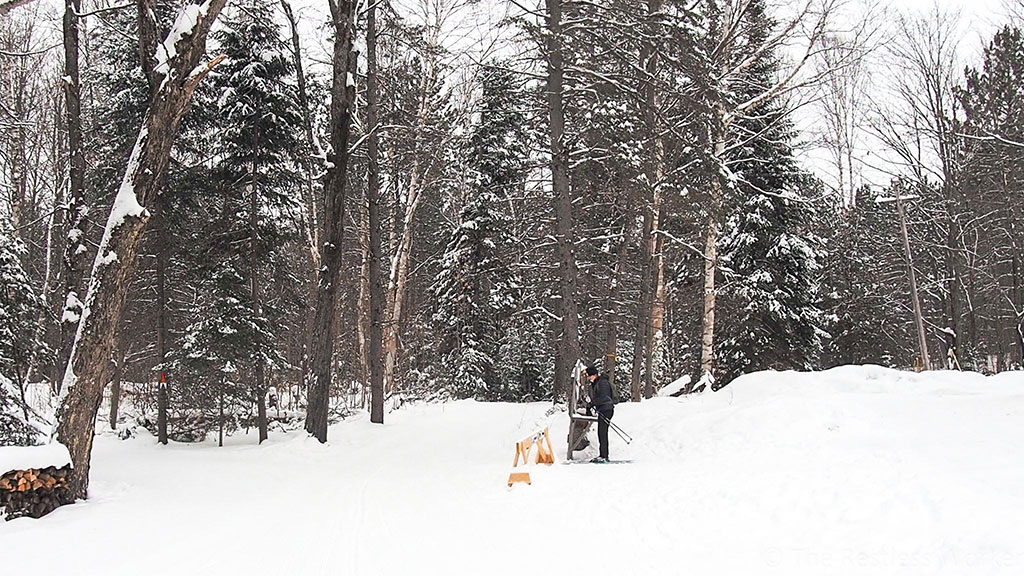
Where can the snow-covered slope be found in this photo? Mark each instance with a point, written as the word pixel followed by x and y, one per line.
pixel 858 470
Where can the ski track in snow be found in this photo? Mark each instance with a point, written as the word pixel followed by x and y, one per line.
pixel 858 470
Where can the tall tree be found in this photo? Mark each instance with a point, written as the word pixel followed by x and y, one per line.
pixel 769 255
pixel 476 292
pixel 75 250
pixel 257 170
pixel 342 102
pixel 740 36
pixel 424 129
pixel 561 192
pixel 90 369
pixel 375 353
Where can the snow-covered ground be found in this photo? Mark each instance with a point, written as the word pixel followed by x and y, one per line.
pixel 858 470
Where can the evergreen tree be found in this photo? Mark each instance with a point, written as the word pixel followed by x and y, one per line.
pixel 476 291
pixel 233 337
pixel 865 282
pixel 19 312
pixel 993 180
pixel 120 98
pixel 772 292
pixel 769 253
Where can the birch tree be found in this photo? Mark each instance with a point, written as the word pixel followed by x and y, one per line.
pixel 732 52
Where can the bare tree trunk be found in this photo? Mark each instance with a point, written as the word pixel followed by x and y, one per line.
pixel 643 314
pixel 259 376
pixel 162 311
pixel 342 97
pixel 422 166
pixel 75 250
pixel 657 320
pixel 1017 297
pixel 643 348
pixel 399 278
pixel 115 384
pixel 374 349
pixel 363 312
pixel 707 351
pixel 220 415
pixel 400 263
pixel 559 386
pixel 312 222
pixel 562 194
pixel 614 299
pixel 90 367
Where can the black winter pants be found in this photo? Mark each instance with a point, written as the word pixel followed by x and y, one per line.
pixel 604 416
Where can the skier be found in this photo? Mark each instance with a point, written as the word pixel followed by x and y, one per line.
pixel 601 400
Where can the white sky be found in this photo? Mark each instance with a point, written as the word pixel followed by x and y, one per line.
pixel 979 19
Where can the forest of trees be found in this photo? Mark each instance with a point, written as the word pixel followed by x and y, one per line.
pixel 245 220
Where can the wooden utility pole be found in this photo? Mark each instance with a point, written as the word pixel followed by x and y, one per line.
pixel 922 340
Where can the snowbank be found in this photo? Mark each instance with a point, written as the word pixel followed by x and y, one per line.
pixel 675 388
pixel 858 470
pixel 26 457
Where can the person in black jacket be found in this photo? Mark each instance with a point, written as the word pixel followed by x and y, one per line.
pixel 602 401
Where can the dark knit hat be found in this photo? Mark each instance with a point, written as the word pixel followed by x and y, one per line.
pixel 592 370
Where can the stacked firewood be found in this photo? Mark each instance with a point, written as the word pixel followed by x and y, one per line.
pixel 34 492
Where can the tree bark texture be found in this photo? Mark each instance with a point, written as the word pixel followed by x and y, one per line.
pixel 644 311
pixel 75 250
pixel 654 169
pixel 259 375
pixel 374 349
pixel 90 367
pixel 653 335
pixel 342 97
pixel 562 194
pixel 615 316
pixel 716 198
pixel 312 220
pixel 162 326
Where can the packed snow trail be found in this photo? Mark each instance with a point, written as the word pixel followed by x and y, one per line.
pixel 857 470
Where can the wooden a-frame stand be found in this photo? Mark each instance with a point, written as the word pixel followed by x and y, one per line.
pixel 545 455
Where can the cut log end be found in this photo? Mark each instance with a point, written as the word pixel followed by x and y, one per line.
pixel 35 492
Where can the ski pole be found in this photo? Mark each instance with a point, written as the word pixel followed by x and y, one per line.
pixel 616 427
pixel 621 433
pixel 619 430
